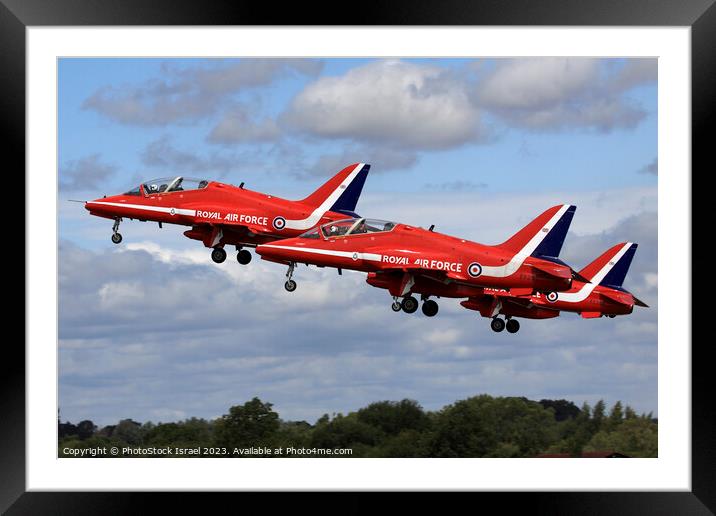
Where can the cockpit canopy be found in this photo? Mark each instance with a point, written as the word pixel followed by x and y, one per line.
pixel 348 227
pixel 169 184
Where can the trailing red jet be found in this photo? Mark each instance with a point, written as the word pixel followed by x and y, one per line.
pixel 409 260
pixel 221 214
pixel 602 296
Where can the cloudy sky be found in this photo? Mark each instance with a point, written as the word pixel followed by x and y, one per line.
pixel 154 330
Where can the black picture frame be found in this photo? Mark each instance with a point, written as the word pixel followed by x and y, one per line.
pixel 700 15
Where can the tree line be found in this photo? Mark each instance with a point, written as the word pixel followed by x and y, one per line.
pixel 480 426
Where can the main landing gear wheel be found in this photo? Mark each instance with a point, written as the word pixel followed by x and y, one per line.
pixel 218 255
pixel 513 326
pixel 409 304
pixel 243 257
pixel 396 306
pixel 116 238
pixel 430 308
pixel 497 325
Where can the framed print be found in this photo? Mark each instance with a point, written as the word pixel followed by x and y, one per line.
pixel 461 119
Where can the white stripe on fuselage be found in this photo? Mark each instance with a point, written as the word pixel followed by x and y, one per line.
pixel 502 271
pixel 341 254
pixel 314 217
pixel 587 288
pixel 156 209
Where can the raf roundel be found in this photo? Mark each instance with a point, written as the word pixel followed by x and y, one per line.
pixel 552 297
pixel 279 223
pixel 474 269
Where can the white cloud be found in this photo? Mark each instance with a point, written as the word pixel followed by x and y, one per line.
pixel 555 93
pixel 192 93
pixel 418 106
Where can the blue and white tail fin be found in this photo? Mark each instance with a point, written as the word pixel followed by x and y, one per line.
pixel 342 191
pixel 612 266
pixel 544 236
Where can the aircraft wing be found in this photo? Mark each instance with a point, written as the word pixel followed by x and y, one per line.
pixel 235 226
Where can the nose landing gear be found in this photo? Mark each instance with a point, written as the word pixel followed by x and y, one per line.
pixel 116 235
pixel 290 285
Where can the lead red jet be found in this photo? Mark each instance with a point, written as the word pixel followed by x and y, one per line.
pixel 222 214
pixel 410 260
pixel 602 296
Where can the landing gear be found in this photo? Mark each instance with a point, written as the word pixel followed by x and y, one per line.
pixel 396 305
pixel 409 304
pixel 218 254
pixel 243 257
pixel 497 324
pixel 513 326
pixel 116 236
pixel 290 285
pixel 611 316
pixel 430 308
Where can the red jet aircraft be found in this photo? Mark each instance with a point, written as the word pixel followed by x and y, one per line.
pixel 407 259
pixel 604 295
pixel 221 214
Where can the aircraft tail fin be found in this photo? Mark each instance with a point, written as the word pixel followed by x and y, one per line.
pixel 544 236
pixel 610 269
pixel 341 192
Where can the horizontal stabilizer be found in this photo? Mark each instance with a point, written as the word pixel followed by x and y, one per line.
pixel 553 269
pixel 575 275
pixel 639 302
pixel 623 298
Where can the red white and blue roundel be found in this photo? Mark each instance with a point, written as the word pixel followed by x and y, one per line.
pixel 552 297
pixel 474 269
pixel 279 223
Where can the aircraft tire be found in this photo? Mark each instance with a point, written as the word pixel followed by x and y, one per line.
pixel 290 285
pixel 430 308
pixel 396 306
pixel 513 326
pixel 218 255
pixel 497 325
pixel 116 238
pixel 243 257
pixel 409 304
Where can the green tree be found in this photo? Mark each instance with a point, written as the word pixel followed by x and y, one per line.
pixel 598 416
pixel 483 426
pixel 252 424
pixel 128 431
pixel 85 429
pixel 347 432
pixel 629 413
pixel 636 437
pixel 188 433
pixel 393 417
pixel 616 414
pixel 563 409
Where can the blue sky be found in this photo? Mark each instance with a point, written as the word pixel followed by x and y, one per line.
pixel 154 330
